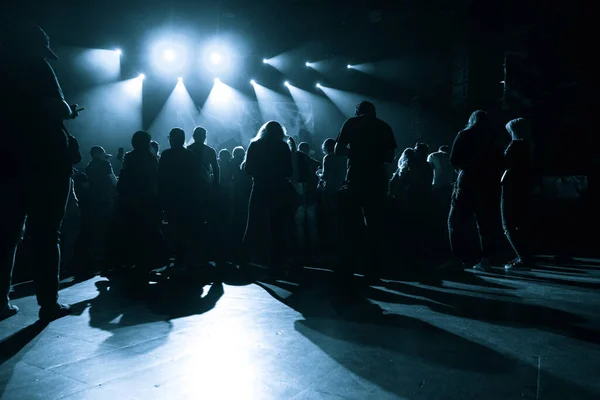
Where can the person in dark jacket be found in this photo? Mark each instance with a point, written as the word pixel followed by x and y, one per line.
pixel 477 156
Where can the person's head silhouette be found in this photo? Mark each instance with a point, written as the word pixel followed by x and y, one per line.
pixel 366 108
pixel 176 137
pixel 200 135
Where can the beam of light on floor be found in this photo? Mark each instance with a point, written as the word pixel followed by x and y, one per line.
pixel 228 115
pixel 178 111
pixel 267 99
pixel 100 66
pixel 113 112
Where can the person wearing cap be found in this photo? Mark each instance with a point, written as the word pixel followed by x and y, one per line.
pixel 37 159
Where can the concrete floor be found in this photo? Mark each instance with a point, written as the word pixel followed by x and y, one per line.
pixel 528 335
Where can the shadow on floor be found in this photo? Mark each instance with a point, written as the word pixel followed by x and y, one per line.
pixel 533 275
pixel 12 345
pixel 503 312
pixel 117 307
pixel 345 314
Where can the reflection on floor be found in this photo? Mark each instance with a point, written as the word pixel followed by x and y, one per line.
pixel 524 335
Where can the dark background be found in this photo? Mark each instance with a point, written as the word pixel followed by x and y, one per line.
pixel 437 60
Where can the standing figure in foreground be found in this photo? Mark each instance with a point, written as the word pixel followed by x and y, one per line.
pixel 477 155
pixel 37 163
pixel 369 144
pixel 209 178
pixel 178 192
pixel 137 236
pixel 443 174
pixel 332 177
pixel 269 162
pixel 517 183
pixel 242 186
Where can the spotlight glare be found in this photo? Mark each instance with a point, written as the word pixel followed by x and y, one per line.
pixel 307 64
pixel 265 61
pixel 286 83
pixel 253 82
pixel 349 66
pixel 169 55
pixel 318 85
pixel 118 51
pixel 142 76
pixel 216 58
pixel 217 80
pixel 180 79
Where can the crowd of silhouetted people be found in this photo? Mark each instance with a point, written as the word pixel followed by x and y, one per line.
pixel 271 203
pixel 276 205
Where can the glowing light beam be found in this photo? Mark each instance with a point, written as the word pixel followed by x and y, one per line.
pixel 266 100
pixel 178 111
pixel 104 66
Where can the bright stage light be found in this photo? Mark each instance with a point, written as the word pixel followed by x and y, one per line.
pixel 180 79
pixel 217 80
pixel 265 61
pixel 142 76
pixel 307 64
pixel 118 51
pixel 169 55
pixel 286 83
pixel 349 66
pixel 253 82
pixel 318 85
pixel 216 58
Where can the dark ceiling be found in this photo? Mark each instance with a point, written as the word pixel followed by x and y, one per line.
pixel 269 26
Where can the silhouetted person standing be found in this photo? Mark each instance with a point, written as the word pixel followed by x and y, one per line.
pixel 207 158
pixel 37 163
pixel 444 177
pixel 178 188
pixel 102 182
pixel 137 233
pixel 443 172
pixel 517 183
pixel 269 162
pixel 369 144
pixel 209 175
pixel 333 173
pixel 242 186
pixel 306 214
pixel 332 176
pixel 155 149
pixel 477 155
